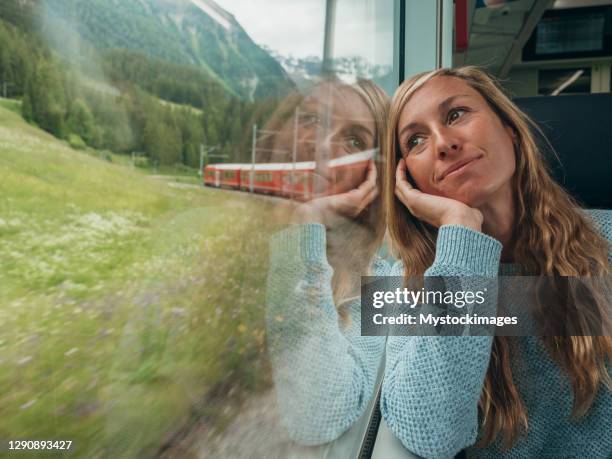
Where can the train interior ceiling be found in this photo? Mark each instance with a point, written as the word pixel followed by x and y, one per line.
pixel 538 47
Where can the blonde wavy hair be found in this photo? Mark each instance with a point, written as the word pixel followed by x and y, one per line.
pixel 553 238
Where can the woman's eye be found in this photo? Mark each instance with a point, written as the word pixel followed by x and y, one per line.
pixel 414 141
pixel 455 114
pixel 355 143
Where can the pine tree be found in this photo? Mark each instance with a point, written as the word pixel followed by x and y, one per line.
pixel 6 70
pixel 26 104
pixel 47 99
pixel 81 122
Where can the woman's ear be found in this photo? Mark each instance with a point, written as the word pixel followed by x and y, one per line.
pixel 512 133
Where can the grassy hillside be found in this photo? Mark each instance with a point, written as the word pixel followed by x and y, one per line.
pixel 124 301
pixel 11 104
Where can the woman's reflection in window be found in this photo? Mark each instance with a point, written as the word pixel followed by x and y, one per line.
pixel 324 370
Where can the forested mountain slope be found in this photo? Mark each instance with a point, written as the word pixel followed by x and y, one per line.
pixel 186 32
pixel 114 98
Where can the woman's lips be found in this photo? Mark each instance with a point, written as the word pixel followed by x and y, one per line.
pixel 458 167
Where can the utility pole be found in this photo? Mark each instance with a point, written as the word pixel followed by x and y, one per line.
pixel 253 148
pixel 206 152
pixel 294 149
pixel 5 85
pixel 328 37
pixel 202 154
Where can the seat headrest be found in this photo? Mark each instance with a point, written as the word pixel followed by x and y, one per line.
pixel 580 130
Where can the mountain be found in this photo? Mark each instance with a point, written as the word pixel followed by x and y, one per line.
pixel 196 33
pixel 304 71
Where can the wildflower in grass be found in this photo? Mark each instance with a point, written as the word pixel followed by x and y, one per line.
pixel 21 362
pixel 27 405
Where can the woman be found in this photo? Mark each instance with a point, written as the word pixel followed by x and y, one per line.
pixel 468 194
pixel 324 371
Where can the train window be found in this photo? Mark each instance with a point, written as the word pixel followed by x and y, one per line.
pixel 566 81
pixel 145 314
pixel 263 176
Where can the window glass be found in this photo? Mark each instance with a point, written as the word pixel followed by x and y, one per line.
pixel 180 273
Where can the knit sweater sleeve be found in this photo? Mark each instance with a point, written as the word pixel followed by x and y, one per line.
pixel 602 218
pixel 433 383
pixel 324 371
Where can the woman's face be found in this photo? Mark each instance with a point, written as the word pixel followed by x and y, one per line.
pixel 333 121
pixel 454 144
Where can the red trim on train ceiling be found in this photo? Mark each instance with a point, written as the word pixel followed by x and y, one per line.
pixel 461 26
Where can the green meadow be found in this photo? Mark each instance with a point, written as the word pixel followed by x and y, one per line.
pixel 128 305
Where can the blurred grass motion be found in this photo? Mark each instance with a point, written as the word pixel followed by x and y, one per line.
pixel 124 302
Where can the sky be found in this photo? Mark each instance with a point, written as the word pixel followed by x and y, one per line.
pixel 295 27
pixel 290 27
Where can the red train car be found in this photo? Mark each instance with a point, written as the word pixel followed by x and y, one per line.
pixel 306 180
pixel 222 175
pixel 297 180
pixel 300 180
pixel 212 176
pixel 267 178
pixel 349 171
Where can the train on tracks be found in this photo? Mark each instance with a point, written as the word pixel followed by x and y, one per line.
pixel 298 180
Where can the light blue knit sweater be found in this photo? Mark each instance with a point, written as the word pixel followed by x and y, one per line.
pixel 325 374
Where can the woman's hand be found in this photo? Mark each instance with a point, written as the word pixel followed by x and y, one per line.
pixel 435 210
pixel 326 210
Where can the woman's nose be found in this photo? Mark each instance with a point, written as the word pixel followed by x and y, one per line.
pixel 327 147
pixel 447 144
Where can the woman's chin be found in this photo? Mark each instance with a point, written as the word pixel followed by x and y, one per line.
pixel 471 198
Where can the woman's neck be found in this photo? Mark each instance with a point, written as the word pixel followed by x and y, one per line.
pixel 499 221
